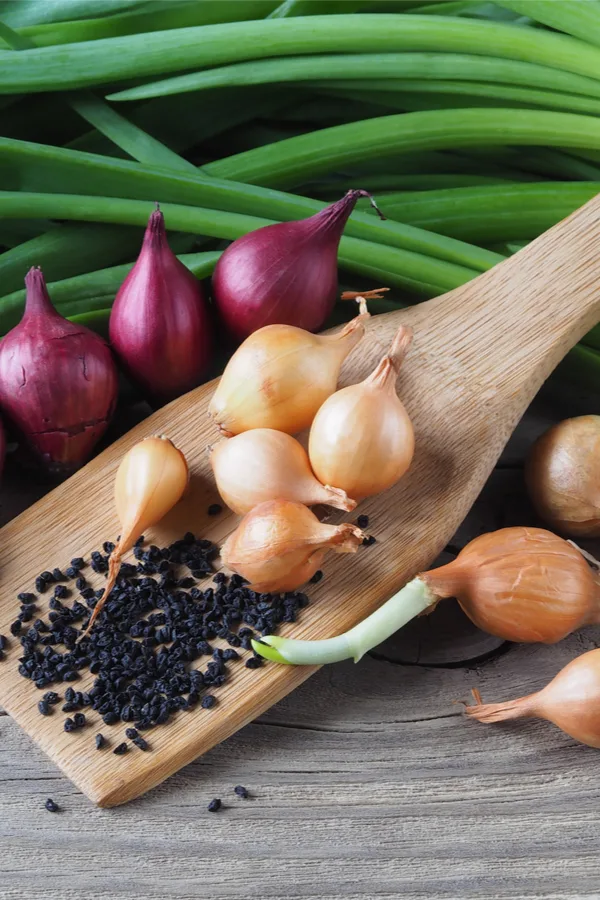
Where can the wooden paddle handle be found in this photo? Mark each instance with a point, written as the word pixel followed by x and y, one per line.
pixel 517 321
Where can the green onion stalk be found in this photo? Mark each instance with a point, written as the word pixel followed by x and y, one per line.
pixel 413 599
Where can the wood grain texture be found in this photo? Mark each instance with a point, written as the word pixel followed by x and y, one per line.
pixel 366 783
pixel 480 354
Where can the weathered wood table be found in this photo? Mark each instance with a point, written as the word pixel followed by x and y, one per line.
pixel 365 783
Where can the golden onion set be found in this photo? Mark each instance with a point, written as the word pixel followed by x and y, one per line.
pixel 281 380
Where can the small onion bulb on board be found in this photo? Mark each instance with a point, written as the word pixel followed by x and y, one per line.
pixel 571 701
pixel 264 464
pixel 520 584
pixel 279 545
pixel 362 439
pixel 279 377
pixel 151 479
pixel 563 476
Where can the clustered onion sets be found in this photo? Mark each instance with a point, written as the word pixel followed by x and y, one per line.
pixel 571 701
pixel 159 324
pixel 280 544
pixel 279 377
pixel 284 273
pixel 264 464
pixel 151 479
pixel 58 382
pixel 521 584
pixel 563 476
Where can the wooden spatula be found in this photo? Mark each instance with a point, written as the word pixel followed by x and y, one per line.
pixel 480 353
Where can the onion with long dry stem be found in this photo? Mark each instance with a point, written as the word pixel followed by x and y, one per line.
pixel 521 584
pixel 264 464
pixel 362 439
pixel 571 701
pixel 280 544
pixel 563 476
pixel 281 375
pixel 151 479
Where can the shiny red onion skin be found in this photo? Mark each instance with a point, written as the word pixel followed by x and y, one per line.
pixel 58 382
pixel 283 274
pixel 160 324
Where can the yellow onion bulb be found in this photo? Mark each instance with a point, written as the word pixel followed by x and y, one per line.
pixel 279 377
pixel 362 439
pixel 151 479
pixel 264 464
pixel 521 584
pixel 571 701
pixel 563 476
pixel 280 544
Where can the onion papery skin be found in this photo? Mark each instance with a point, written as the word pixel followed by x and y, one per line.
pixel 571 701
pixel 362 439
pixel 152 477
pixel 58 383
pixel 279 545
pixel 264 464
pixel 563 476
pixel 521 584
pixel 280 376
pixel 282 274
pixel 160 324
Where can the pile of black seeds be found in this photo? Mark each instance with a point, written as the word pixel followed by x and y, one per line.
pixel 145 646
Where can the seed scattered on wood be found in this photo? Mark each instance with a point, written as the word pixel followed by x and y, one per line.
pixel 121 749
pixel 100 741
pixel 369 540
pixel 44 708
pixel 241 791
pixel 51 806
pixel 316 577
pixel 214 805
pixel 214 509
pixel 3 642
pixel 141 743
pixel 362 521
pixel 155 626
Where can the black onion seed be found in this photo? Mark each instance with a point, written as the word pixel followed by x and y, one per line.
pixel 149 636
pixel 254 662
pixel 369 540
pixel 100 741
pixel 44 708
pixel 214 805
pixel 214 509
pixel 316 577
pixel 51 697
pixel 241 791
pixel 121 749
pixel 51 806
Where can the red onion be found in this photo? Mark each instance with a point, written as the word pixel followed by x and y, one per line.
pixel 159 325
pixel 58 382
pixel 283 274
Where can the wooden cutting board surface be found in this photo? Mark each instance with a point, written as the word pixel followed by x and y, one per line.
pixel 479 355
